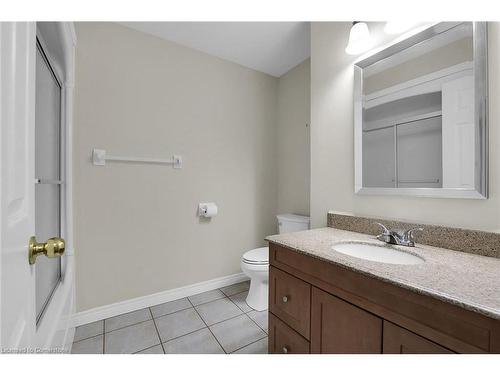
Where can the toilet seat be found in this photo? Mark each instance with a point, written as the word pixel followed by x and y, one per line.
pixel 258 256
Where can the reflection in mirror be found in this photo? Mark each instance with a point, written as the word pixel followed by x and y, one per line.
pixel 419 115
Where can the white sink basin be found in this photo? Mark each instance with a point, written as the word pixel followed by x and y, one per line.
pixel 377 253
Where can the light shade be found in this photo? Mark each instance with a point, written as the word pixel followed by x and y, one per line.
pixel 360 39
pixel 398 27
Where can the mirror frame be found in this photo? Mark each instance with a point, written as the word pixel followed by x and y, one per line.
pixel 480 68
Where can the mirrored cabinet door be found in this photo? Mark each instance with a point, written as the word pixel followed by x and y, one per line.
pixel 420 122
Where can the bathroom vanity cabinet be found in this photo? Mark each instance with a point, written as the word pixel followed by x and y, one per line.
pixel 317 306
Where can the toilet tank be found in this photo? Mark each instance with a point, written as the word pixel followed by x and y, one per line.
pixel 292 223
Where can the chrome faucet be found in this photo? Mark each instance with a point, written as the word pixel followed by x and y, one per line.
pixel 405 238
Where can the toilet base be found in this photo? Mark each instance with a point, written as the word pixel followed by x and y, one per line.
pixel 258 295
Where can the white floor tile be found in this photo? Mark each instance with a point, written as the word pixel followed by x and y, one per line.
pixel 153 350
pixel 259 347
pixel 170 307
pixel 92 345
pixel 178 324
pixel 131 339
pixel 259 317
pixel 89 330
pixel 236 288
pixel 236 333
pixel 240 301
pixel 218 310
pixel 199 342
pixel 128 319
pixel 209 296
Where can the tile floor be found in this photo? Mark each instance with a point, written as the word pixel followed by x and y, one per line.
pixel 217 321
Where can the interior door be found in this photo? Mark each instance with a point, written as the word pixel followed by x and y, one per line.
pixel 17 190
pixel 30 198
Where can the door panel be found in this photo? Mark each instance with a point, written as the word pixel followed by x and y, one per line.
pixel 47 172
pixel 47 223
pixel 337 327
pixel 379 153
pixel 47 120
pixel 419 150
pixel 398 340
pixel 458 133
pixel 17 75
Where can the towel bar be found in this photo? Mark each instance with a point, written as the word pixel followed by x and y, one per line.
pixel 99 157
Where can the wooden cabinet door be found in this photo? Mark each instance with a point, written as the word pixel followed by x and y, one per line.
pixel 284 340
pixel 398 340
pixel 337 327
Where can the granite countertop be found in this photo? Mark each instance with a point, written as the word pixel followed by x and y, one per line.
pixel 467 280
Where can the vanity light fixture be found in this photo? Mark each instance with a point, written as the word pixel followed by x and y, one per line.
pixel 398 27
pixel 360 39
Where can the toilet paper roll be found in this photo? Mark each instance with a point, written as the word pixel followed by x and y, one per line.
pixel 209 209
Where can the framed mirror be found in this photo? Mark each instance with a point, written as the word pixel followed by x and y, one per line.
pixel 420 115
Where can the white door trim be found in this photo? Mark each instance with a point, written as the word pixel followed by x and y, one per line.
pixel 123 307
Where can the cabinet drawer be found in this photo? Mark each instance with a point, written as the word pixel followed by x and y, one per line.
pixel 284 340
pixel 398 340
pixel 290 300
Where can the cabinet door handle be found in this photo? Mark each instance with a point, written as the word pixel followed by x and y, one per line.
pixel 285 350
pixel 285 299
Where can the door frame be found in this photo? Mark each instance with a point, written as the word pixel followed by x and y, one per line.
pixel 55 329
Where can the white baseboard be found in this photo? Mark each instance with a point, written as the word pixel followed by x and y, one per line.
pixel 108 311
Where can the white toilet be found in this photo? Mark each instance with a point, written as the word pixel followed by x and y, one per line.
pixel 255 263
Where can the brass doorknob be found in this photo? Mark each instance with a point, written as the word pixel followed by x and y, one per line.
pixel 54 247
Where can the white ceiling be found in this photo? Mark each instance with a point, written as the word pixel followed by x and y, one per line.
pixel 270 47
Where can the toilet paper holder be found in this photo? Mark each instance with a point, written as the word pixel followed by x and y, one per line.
pixel 207 209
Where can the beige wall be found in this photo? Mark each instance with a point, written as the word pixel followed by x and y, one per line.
pixel 136 228
pixel 293 140
pixel 332 145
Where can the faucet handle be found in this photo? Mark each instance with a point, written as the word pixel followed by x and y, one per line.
pixel 387 235
pixel 408 235
pixel 384 228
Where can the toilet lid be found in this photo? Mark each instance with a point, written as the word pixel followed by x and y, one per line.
pixel 257 256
